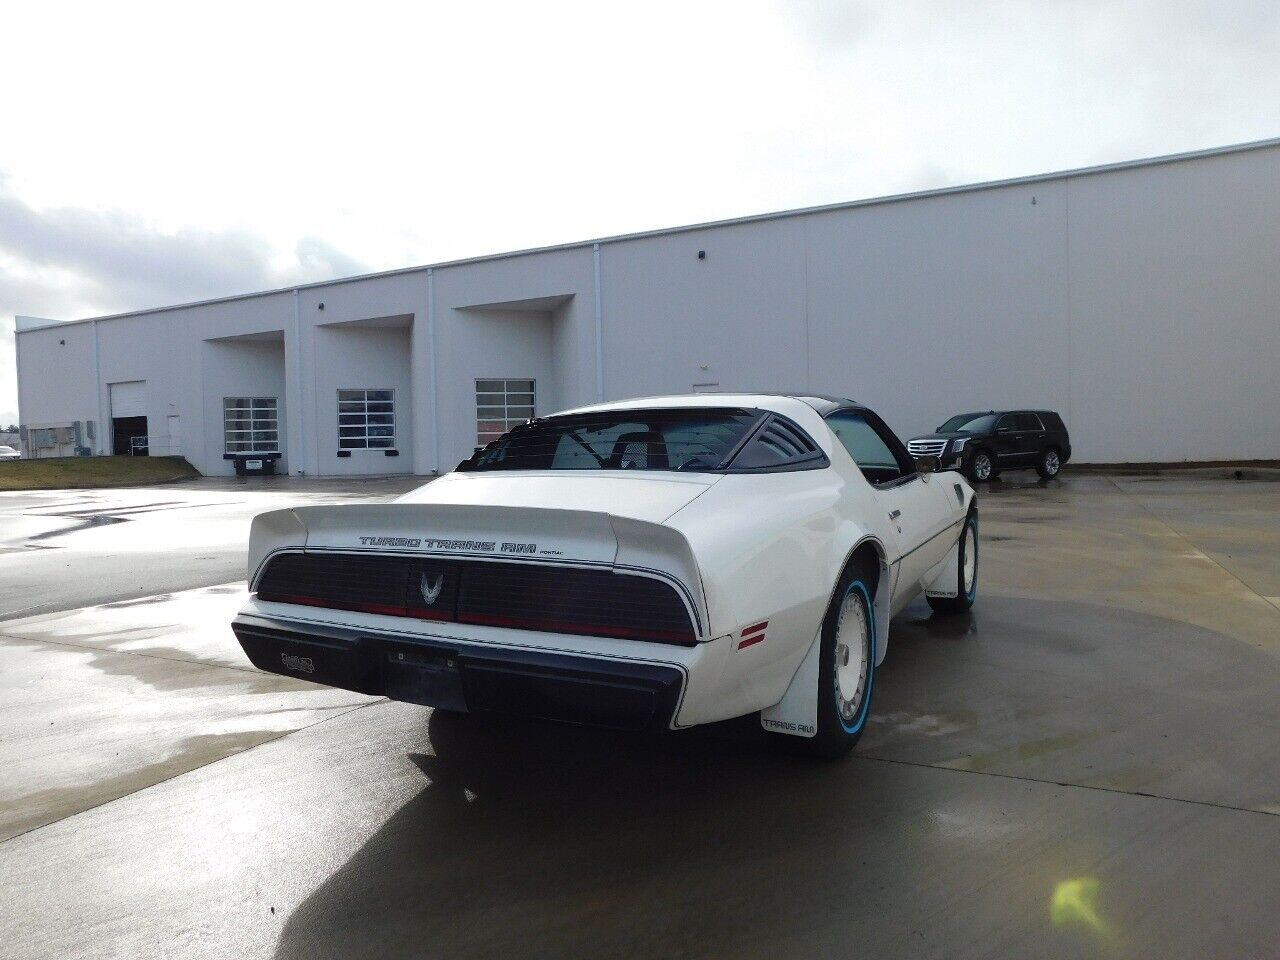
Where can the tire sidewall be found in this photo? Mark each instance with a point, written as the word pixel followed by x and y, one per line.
pixel 1044 469
pixel 973 466
pixel 970 595
pixel 962 602
pixel 833 736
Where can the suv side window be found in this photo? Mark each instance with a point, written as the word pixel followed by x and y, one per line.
pixel 1007 422
pixel 1053 422
pixel 1028 422
pixel 868 442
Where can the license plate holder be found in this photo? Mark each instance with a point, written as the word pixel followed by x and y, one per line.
pixel 427 675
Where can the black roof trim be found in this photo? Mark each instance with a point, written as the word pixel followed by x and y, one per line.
pixel 823 403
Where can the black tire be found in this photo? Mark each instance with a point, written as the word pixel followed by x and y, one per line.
pixel 1049 464
pixel 838 734
pixel 962 602
pixel 980 466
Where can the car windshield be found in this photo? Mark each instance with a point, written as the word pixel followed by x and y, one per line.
pixel 969 423
pixel 671 439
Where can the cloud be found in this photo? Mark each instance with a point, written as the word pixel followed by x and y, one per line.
pixel 67 262
pixel 835 26
pixel 318 259
pixel 123 263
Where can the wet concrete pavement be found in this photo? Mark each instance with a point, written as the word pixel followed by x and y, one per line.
pixel 1088 766
pixel 61 549
pixel 102 702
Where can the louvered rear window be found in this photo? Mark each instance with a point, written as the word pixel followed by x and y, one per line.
pixel 780 445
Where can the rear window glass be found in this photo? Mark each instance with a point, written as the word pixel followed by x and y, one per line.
pixel 672 439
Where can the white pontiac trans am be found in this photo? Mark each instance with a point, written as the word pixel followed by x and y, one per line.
pixel 653 563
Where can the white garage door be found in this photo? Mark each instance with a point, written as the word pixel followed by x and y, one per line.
pixel 129 399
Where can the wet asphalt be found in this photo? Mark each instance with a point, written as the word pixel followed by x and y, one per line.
pixel 1088 765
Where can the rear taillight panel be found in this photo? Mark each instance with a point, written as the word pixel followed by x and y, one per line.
pixel 521 596
pixel 372 585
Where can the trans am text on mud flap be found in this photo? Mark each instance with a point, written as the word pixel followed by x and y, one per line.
pixel 661 562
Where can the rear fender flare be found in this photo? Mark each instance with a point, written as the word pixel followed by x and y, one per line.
pixel 884 589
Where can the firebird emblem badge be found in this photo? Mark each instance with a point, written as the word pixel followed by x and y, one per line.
pixel 431 588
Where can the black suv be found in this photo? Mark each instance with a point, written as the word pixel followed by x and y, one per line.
pixel 983 444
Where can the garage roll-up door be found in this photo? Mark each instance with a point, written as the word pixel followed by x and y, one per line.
pixel 129 399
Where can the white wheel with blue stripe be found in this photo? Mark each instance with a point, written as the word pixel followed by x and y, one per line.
pixel 847 664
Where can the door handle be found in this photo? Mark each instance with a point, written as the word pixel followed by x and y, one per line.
pixel 894 514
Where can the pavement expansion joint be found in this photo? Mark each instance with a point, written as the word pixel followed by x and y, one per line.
pixel 342 712
pixel 1072 786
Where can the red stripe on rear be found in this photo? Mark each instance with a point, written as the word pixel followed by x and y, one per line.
pixel 755 627
pixel 358 607
pixel 750 641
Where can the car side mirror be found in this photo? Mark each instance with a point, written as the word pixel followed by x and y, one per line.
pixel 928 464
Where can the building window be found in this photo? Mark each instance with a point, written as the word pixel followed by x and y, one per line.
pixel 501 405
pixel 366 419
pixel 251 425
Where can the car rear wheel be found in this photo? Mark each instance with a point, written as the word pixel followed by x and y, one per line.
pixel 966 573
pixel 847 667
pixel 981 467
pixel 1050 463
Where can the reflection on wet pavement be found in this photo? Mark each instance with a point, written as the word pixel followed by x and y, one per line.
pixel 1084 766
pixel 107 700
pixel 61 552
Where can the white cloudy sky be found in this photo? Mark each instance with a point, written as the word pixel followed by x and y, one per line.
pixel 156 153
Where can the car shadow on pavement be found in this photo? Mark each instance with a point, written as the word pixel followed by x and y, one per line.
pixel 544 840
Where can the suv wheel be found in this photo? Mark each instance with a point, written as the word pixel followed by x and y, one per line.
pixel 1050 463
pixel 981 467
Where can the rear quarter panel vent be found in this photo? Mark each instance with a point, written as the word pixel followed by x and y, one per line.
pixel 779 445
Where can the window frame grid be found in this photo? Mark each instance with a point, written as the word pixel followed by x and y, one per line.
pixel 250 446
pixel 506 419
pixel 363 441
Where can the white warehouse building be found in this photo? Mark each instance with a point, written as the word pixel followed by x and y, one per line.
pixel 1141 300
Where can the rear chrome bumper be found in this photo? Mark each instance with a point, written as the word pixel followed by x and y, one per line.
pixel 443 672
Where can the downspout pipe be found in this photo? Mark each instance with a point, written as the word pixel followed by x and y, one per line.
pixel 599 323
pixel 300 420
